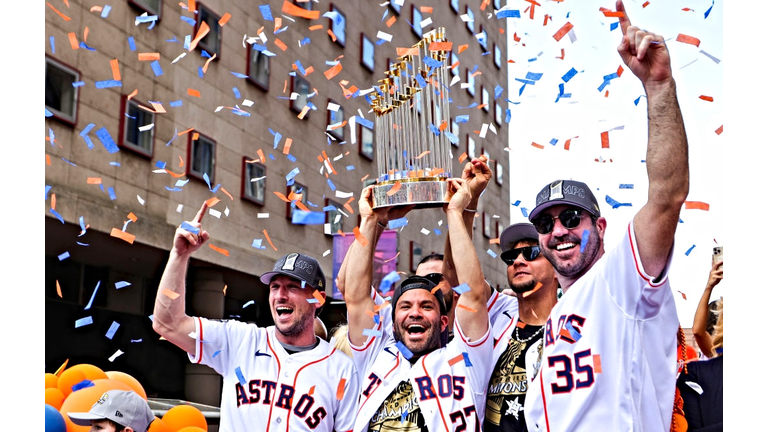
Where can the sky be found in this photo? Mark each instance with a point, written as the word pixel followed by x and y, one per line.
pixel 587 108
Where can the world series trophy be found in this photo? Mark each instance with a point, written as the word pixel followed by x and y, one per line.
pixel 412 109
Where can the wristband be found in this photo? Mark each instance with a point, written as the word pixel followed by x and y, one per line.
pixel 470 210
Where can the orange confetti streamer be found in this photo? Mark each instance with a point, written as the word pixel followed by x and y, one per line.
pixel 194 93
pixel 73 41
pixel 195 136
pixel 291 9
pixel 462 157
pixel 207 62
pixel 158 107
pixel 201 32
pixel 96 9
pixel 66 18
pixel 391 21
pixel 224 290
pixel 562 54
pixel 539 146
pixel 441 46
pixel 598 364
pixel 186 131
pixel 219 250
pixel 604 140
pixel 301 206
pixel 461 306
pixel 333 71
pixel 340 389
pixel 58 289
pixel 719 130
pixel 688 39
pixel 212 202
pixel 456 359
pixel 706 98
pixel 494 241
pixel 173 295
pixel 620 70
pixel 613 14
pixel 53 201
pixel 261 155
pixel 315 27
pixel 133 93
pixel 281 196
pixel 149 56
pixel 696 205
pixel 280 44
pixel 93 180
pixel 683 294
pixel 48 159
pixel 425 9
pixel 462 48
pixel 359 237
pixel 332 35
pixel 122 235
pixel 320 299
pixel 224 19
pixel 227 194
pixel 192 6
pixel 303 112
pixel 394 257
pixel 393 190
pixel 85 33
pixel 403 51
pixel 269 240
pixel 115 69
pixel 536 288
pixel 563 31
pixel 311 390
pixel 287 146
pixel 132 217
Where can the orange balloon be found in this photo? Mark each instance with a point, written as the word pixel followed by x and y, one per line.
pixel 68 378
pixel 54 397
pixel 51 380
pixel 191 429
pixel 182 416
pixel 158 425
pixel 83 399
pixel 128 379
pixel 91 372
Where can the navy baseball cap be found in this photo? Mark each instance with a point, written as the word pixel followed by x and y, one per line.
pixel 419 282
pixel 569 192
pixel 514 233
pixel 298 266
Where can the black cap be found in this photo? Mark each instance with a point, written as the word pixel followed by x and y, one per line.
pixel 568 192
pixel 514 233
pixel 418 282
pixel 298 266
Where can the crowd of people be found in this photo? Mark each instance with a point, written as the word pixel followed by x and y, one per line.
pixel 449 352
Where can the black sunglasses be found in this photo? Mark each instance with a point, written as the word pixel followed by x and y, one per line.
pixel 435 278
pixel 570 219
pixel 530 253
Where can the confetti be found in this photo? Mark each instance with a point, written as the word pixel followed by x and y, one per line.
pixel 404 350
pixel 688 39
pixel 696 205
pixel 563 30
pixel 584 240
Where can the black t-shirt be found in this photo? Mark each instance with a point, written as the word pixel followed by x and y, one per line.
pixel 399 412
pixel 509 383
pixel 703 411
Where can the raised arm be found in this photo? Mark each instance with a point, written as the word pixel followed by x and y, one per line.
pixel 471 311
pixel 477 174
pixel 700 334
pixel 170 319
pixel 666 161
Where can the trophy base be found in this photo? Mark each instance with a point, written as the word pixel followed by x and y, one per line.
pixel 420 192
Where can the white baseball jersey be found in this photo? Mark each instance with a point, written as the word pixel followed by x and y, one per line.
pixel 266 389
pixel 449 383
pixel 610 351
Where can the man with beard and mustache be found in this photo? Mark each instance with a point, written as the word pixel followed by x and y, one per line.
pixel 610 348
pixel 409 382
pixel 518 324
pixel 279 378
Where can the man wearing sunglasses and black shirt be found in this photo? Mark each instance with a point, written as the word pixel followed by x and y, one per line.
pixel 518 334
pixel 610 346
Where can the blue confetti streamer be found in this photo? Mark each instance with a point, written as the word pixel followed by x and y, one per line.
pixel 93 296
pixel 47 189
pixel 240 376
pixel 553 141
pixel 84 322
pixel 207 180
pixel 331 185
pixel 584 240
pixel 105 11
pixel 350 167
pixel 257 244
pixel 491 253
pixel 437 231
pixel 174 104
pixel 108 84
pixel 397 223
pixel 266 12
pixel 58 216
pixel 106 139
pixel 688 252
pixel 376 318
pixel 111 192
pixel 131 43
pixel 466 359
pixel 386 282
pixel 216 353
pixel 187 226
pixel 462 119
pixel 122 284
pixel 156 68
pixel 451 137
pixel 160 164
pixel 53 44
pixel 421 81
pixel 170 189
pixel 303 217
pixel 497 91
pixel 370 332
pixel 84 46
pixel 294 172
pixel 524 211
pixel 189 20
pixel 626 186
pixel 236 92
pixel 112 330
pixel 48 113
pixel 364 122
pixel 509 13
pixel 614 25
pixel 404 350
pixel 570 74
pixel 575 335
pixel 78 84
pixel 82 384
pixel 461 289
pixel 63 256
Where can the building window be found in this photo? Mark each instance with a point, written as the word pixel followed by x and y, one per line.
pixel 471 82
pixel 483 37
pixel 254 184
pixel 299 197
pixel 416 21
pixel 366 52
pixel 455 5
pixel 335 121
pixel 151 7
pixel 258 68
pixel 201 156
pixel 366 141
pixel 471 21
pixel 470 147
pixel 486 102
pixel 300 99
pixel 486 225
pixel 137 126
pixel 60 96
pixel 454 60
pixel 496 55
pixel 334 220
pixel 339 25
pixel 455 132
pixel 211 43
pixel 499 115
pixel 396 7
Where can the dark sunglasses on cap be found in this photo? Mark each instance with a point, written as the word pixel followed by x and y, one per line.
pixel 570 219
pixel 530 253
pixel 435 278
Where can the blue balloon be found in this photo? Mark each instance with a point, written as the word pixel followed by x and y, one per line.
pixel 54 421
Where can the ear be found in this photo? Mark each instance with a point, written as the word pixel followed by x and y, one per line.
pixel 602 223
pixel 443 322
pixel 322 294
